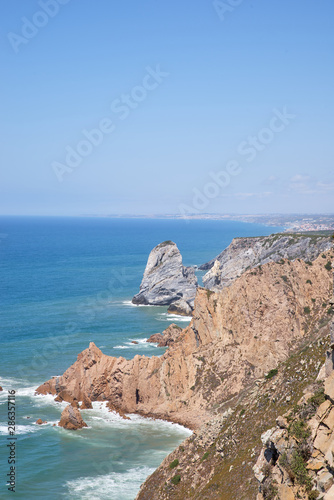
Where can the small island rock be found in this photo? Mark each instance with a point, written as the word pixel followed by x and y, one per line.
pixel 71 419
pixel 165 279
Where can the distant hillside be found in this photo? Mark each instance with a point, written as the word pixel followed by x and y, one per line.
pixel 246 253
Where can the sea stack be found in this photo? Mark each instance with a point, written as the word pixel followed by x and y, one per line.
pixel 166 280
pixel 71 419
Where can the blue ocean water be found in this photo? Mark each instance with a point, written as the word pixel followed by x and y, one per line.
pixel 65 282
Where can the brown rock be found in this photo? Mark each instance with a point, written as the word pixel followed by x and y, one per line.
pixel 330 494
pixel 329 386
pixel 61 396
pixel 134 342
pixel 282 422
pixel 71 419
pixel 315 466
pixel 121 413
pixel 1 389
pixel 167 337
pixel 86 404
pixel 221 334
pixel 285 493
pixel 325 481
pixel 157 338
pixel 39 421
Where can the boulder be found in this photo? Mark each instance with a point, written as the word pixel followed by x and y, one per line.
pixel 134 342
pixel 1 389
pixel 40 421
pixel 157 338
pixel 165 279
pixel 167 337
pixel 181 307
pixel 71 419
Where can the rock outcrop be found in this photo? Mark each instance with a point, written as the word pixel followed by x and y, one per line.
pixel 167 337
pixel 86 403
pixel 245 253
pixel 71 419
pixel 39 421
pixel 180 307
pixel 297 460
pixel 236 335
pixel 166 280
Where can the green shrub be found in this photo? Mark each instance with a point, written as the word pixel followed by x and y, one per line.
pixel 328 266
pixel 298 468
pixel 272 373
pixel 284 278
pixel 269 489
pixel 307 310
pixel 174 464
pixel 313 495
pixel 309 281
pixel 205 456
pixel 300 430
pixel 176 479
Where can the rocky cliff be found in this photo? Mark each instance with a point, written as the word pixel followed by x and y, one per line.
pixel 297 458
pixel 246 253
pixel 235 336
pixel 166 281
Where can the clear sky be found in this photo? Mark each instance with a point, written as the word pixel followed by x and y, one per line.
pixel 166 107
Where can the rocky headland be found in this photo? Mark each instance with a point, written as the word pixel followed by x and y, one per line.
pixel 245 253
pixel 235 336
pixel 166 282
pixel 250 353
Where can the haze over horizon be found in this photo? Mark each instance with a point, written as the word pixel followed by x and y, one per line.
pixel 171 108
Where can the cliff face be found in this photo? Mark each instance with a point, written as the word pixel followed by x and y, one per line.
pixel 165 279
pixel 297 460
pixel 235 336
pixel 245 253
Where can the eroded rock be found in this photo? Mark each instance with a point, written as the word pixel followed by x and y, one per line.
pixel 71 419
pixel 165 279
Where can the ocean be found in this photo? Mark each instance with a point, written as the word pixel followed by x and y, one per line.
pixel 64 283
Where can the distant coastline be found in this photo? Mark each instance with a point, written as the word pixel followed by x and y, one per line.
pixel 291 222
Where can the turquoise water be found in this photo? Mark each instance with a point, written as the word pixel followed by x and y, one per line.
pixel 64 283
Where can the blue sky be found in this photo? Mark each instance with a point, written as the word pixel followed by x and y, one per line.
pixel 139 107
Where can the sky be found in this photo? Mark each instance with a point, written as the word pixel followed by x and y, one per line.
pixel 127 107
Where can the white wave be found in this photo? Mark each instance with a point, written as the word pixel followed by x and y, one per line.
pixel 101 416
pixel 19 429
pixel 140 341
pixel 129 303
pixel 12 383
pixel 173 317
pixel 111 486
